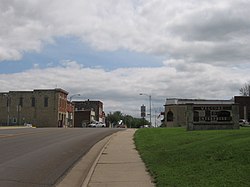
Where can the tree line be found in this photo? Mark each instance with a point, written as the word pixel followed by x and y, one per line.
pixel 116 118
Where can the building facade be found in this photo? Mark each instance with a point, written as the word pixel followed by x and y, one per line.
pixel 42 108
pixel 244 106
pixel 83 117
pixel 198 114
pixel 96 106
pixel 70 114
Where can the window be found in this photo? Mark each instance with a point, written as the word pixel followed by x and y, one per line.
pixel 46 102
pixel 33 102
pixel 20 101
pixel 170 116
pixel 196 116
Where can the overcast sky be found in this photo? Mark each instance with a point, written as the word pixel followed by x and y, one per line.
pixel 112 50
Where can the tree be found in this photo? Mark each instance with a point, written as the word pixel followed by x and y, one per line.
pixel 131 122
pixel 115 117
pixel 245 90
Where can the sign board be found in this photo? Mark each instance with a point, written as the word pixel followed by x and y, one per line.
pixel 212 113
pixel 143 111
pixel 212 116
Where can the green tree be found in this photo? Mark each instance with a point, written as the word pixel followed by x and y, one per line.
pixel 114 118
pixel 131 122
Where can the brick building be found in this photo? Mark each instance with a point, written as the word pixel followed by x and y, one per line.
pixel 83 117
pixel 42 108
pixel 244 106
pixel 70 114
pixel 96 106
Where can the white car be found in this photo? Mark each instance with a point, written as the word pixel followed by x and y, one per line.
pixel 97 124
pixel 243 122
pixel 100 124
pixel 93 124
pixel 28 125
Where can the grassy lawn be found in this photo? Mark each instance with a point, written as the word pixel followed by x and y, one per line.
pixel 176 157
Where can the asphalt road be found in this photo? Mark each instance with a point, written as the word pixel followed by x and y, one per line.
pixel 40 157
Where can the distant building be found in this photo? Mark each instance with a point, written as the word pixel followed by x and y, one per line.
pixel 70 114
pixel 244 106
pixel 96 106
pixel 198 114
pixel 83 117
pixel 42 108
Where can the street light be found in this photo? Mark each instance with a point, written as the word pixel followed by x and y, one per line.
pixel 70 98
pixel 149 96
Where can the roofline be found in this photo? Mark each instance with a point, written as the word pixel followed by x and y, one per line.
pixel 56 89
pixel 30 91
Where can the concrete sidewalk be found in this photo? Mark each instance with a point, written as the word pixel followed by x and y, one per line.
pixel 119 165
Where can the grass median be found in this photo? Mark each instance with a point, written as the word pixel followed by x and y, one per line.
pixel 176 157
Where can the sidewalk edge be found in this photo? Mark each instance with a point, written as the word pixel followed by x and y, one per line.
pixel 92 169
pixel 79 174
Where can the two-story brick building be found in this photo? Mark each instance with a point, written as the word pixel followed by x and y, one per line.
pixel 87 112
pixel 244 106
pixel 42 108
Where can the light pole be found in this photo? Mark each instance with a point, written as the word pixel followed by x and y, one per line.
pixel 72 111
pixel 150 101
pixel 70 98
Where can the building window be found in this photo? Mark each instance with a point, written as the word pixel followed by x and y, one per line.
pixel 20 101
pixel 170 116
pixel 196 116
pixel 33 102
pixel 46 102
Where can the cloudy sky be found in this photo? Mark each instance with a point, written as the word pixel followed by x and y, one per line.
pixel 112 50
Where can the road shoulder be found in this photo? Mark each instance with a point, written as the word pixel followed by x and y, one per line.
pixel 79 173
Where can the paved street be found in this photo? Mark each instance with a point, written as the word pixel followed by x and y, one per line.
pixel 40 157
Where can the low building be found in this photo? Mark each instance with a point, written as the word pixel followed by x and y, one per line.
pixel 88 105
pixel 42 108
pixel 83 117
pixel 198 114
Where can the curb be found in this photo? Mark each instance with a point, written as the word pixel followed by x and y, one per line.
pixel 92 169
pixel 82 171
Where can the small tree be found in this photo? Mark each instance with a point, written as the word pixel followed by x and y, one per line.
pixel 128 120
pixel 245 90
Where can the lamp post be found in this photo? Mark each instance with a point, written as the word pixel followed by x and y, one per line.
pixel 70 98
pixel 150 101
pixel 71 113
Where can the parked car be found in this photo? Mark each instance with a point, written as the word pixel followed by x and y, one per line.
pixel 93 124
pixel 97 124
pixel 100 124
pixel 243 122
pixel 28 125
pixel 121 126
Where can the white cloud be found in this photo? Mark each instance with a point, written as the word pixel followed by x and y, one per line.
pixel 205 31
pixel 206 45
pixel 119 89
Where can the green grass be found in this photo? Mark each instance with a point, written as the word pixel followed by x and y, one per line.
pixel 176 157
